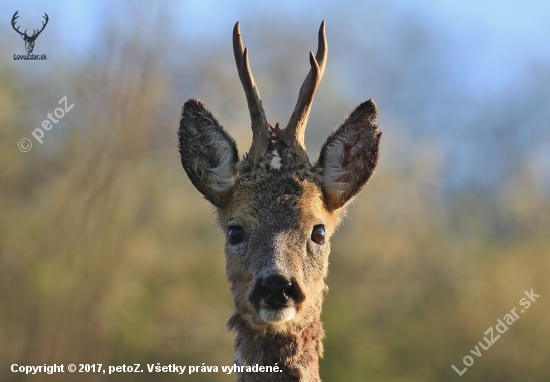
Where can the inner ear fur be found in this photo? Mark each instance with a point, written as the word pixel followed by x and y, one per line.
pixel 349 155
pixel 208 153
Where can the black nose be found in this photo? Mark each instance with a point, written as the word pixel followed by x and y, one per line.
pixel 275 290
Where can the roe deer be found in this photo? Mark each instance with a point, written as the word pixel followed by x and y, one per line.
pixel 278 221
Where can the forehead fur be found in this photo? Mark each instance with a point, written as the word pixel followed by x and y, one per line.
pixel 278 198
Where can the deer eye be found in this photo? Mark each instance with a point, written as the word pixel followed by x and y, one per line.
pixel 235 234
pixel 318 234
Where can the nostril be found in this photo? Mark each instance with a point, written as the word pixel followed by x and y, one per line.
pixel 276 290
pixel 276 284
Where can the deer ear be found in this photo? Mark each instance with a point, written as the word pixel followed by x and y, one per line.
pixel 208 153
pixel 349 155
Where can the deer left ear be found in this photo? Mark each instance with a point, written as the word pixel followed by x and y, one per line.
pixel 349 155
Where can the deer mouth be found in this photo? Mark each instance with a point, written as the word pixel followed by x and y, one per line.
pixel 274 315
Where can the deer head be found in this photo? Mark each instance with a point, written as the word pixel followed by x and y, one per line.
pixel 278 221
pixel 29 40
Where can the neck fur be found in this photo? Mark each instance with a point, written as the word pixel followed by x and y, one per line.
pixel 296 352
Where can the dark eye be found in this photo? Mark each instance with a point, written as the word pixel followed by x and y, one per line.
pixel 318 234
pixel 235 234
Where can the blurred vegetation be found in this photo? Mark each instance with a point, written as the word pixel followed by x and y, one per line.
pixel 109 255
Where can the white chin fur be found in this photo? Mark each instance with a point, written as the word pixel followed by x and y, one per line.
pixel 277 315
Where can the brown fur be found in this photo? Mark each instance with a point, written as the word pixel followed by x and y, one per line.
pixel 296 352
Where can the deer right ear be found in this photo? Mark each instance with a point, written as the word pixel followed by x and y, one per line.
pixel 349 155
pixel 208 153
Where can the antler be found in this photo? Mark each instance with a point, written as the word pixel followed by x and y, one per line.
pixel 260 126
pixel 15 16
pixel 35 34
pixel 293 133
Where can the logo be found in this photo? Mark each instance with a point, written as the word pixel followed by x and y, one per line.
pixel 29 40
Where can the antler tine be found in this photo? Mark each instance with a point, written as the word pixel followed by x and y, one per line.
pixel 43 25
pixel 260 127
pixel 293 134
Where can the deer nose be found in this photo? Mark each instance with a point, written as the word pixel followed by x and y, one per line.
pixel 276 286
pixel 276 291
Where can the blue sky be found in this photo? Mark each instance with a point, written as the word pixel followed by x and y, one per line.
pixel 500 37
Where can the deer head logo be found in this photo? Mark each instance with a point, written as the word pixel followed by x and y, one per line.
pixel 29 40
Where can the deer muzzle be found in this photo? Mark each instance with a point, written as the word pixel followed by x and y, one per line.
pixel 276 298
